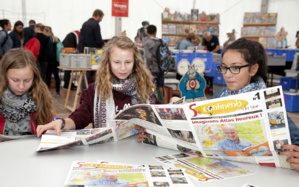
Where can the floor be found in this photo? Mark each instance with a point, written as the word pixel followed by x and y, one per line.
pixel 58 102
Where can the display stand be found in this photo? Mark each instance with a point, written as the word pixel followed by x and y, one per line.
pixel 82 74
pixel 260 27
pixel 175 31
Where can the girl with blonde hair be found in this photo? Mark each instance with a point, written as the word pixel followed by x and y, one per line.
pixel 25 99
pixel 122 80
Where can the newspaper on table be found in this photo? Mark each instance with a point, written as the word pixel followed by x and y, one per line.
pixel 249 127
pixel 71 138
pixel 103 173
pixel 203 169
pixel 7 138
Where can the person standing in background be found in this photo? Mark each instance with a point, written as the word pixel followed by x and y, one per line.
pixel 29 31
pixel 90 35
pixel 17 35
pixel 52 60
pixel 5 40
pixel 71 40
pixel 141 36
pixel 150 52
pixel 210 43
pixel 42 57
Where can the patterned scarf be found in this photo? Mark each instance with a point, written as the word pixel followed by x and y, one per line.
pixel 16 110
pixel 104 111
pixel 258 85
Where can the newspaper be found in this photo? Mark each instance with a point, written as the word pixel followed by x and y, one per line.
pixel 203 169
pixel 71 138
pixel 249 127
pixel 103 173
pixel 7 138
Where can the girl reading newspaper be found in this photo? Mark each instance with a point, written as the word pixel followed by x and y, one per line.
pixel 244 69
pixel 122 80
pixel 25 98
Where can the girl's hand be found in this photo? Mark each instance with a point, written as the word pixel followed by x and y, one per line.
pixel 141 134
pixel 293 152
pixel 54 125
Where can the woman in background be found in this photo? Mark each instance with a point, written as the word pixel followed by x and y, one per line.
pixel 52 60
pixel 17 35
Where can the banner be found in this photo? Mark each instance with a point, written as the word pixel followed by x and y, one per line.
pixel 120 8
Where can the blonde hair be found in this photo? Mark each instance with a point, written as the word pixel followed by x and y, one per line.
pixel 40 26
pixel 143 77
pixel 18 58
pixel 54 39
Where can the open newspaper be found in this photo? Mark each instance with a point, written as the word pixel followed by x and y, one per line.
pixel 102 173
pixel 250 127
pixel 71 138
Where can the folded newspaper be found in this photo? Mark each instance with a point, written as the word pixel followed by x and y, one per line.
pixel 103 173
pixel 249 127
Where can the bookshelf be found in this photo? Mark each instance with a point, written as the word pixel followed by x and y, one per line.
pixel 260 27
pixel 175 31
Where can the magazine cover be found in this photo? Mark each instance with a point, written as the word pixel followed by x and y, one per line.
pixel 186 29
pixel 194 14
pixel 180 29
pixel 171 28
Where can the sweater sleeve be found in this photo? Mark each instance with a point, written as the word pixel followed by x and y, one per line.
pixel 294 132
pixel 83 116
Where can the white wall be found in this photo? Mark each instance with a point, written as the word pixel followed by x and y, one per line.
pixel 67 15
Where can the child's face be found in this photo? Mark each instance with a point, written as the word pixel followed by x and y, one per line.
pixel 122 62
pixel 20 80
pixel 235 82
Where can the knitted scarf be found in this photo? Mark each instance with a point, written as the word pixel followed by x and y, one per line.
pixel 258 85
pixel 104 110
pixel 16 110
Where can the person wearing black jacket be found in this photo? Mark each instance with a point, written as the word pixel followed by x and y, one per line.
pixel 29 31
pixel 90 34
pixel 42 57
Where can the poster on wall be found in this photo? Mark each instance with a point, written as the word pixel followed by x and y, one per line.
pixel 120 8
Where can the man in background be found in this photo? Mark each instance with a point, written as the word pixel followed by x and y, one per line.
pixel 142 33
pixel 150 52
pixel 90 34
pixel 29 31
pixel 210 43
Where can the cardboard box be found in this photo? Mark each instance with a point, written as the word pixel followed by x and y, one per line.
pixel 76 61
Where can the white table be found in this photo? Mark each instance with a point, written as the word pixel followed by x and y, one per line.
pixel 21 165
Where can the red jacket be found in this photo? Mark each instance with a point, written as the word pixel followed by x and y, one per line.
pixel 3 124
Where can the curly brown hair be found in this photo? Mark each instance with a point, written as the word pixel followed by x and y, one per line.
pixel 143 77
